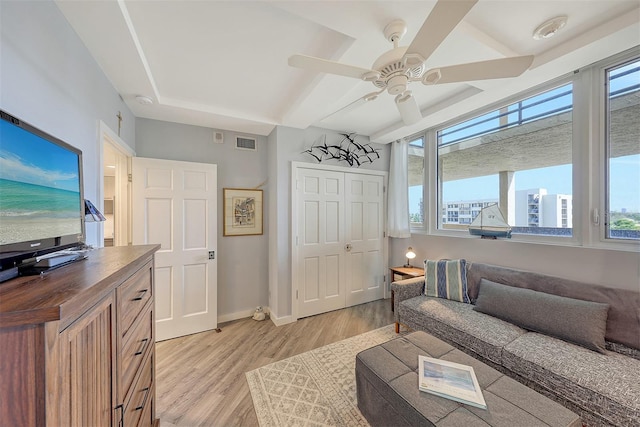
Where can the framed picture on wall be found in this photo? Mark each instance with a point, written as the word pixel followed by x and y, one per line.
pixel 242 212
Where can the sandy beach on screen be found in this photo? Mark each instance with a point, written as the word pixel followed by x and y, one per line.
pixel 20 229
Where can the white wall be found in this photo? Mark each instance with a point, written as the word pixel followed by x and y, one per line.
pixel 243 275
pixel 49 79
pixel 289 147
pixel 616 269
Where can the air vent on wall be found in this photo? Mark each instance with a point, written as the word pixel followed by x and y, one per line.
pixel 218 137
pixel 244 143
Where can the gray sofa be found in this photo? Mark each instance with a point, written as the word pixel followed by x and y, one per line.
pixel 603 386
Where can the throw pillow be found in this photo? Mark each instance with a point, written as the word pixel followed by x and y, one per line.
pixel 446 279
pixel 581 322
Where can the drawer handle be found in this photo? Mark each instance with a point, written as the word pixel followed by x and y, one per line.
pixel 142 347
pixel 121 422
pixel 144 401
pixel 140 295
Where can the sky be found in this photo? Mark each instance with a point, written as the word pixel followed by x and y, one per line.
pixel 25 157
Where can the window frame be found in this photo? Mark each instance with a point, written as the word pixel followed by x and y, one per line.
pixel 418 227
pixel 589 160
pixel 434 182
pixel 600 152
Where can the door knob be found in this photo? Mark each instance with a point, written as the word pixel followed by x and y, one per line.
pixel 348 247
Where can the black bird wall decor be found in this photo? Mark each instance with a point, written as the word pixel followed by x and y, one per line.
pixel 347 150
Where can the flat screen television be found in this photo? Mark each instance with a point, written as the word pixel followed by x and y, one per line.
pixel 41 193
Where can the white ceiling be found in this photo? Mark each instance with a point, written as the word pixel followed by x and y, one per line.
pixel 223 64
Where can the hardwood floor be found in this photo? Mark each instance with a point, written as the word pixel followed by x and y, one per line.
pixel 201 378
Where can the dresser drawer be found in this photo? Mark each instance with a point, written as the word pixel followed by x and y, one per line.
pixel 137 408
pixel 147 416
pixel 133 295
pixel 135 348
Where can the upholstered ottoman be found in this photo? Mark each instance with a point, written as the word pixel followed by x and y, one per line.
pixel 388 395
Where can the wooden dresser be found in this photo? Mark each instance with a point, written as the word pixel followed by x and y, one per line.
pixel 77 344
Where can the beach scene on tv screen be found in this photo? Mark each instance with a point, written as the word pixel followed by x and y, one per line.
pixel 39 188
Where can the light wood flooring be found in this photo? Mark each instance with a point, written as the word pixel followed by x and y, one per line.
pixel 201 377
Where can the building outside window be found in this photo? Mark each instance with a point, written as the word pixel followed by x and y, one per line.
pixel 622 135
pixel 519 156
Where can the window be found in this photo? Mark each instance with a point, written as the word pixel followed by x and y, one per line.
pixel 525 148
pixel 416 181
pixel 623 151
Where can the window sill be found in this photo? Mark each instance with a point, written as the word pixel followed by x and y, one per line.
pixel 629 246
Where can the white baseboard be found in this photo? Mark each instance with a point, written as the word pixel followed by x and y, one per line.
pixel 237 315
pixel 279 321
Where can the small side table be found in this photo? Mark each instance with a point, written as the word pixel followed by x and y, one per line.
pixel 404 273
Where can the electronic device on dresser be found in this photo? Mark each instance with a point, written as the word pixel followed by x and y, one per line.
pixel 41 198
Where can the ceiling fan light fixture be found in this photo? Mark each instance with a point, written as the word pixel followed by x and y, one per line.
pixel 371 76
pixel 412 60
pixel 408 108
pixel 371 97
pixel 403 97
pixel 432 76
pixel 397 84
pixel 549 28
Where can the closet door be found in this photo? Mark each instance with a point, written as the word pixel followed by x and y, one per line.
pixel 364 200
pixel 320 241
pixel 338 239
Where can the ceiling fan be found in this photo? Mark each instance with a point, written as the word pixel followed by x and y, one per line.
pixel 396 68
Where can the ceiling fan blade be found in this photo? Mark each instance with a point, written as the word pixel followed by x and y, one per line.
pixel 444 17
pixel 483 70
pixel 325 66
pixel 408 108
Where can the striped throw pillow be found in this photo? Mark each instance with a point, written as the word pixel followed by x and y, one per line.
pixel 446 279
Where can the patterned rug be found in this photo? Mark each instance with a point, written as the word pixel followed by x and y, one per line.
pixel 316 388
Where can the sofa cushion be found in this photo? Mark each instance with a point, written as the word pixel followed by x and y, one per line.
pixel 607 383
pixel 623 320
pixel 446 279
pixel 457 323
pixel 578 321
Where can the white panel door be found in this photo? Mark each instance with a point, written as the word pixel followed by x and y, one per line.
pixel 364 199
pixel 175 205
pixel 320 255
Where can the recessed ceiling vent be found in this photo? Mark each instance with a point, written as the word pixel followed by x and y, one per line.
pixel 245 143
pixel 218 137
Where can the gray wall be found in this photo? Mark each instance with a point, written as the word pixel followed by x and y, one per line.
pixel 243 274
pixel 616 269
pixel 49 79
pixel 287 145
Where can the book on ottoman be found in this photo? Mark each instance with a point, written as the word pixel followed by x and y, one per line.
pixel 450 380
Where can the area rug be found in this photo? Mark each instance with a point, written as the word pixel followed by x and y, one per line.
pixel 316 388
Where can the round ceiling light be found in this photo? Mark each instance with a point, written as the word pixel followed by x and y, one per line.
pixel 144 100
pixel 549 28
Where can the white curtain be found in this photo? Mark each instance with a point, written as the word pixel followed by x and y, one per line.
pixel 398 202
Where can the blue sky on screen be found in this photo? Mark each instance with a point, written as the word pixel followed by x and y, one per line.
pixel 25 157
